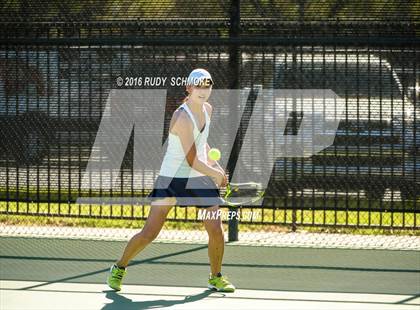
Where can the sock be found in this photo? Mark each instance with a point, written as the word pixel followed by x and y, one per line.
pixel 219 274
pixel 119 267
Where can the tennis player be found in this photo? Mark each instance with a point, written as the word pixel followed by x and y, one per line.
pixel 185 161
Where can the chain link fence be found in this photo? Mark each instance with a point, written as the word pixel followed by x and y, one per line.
pixel 57 71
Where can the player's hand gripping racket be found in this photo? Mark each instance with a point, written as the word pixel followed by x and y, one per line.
pixel 238 194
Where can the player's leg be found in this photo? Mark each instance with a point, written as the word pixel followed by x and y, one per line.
pixel 216 248
pixel 216 242
pixel 158 212
pixel 157 216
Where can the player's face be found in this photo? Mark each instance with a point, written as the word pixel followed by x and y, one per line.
pixel 200 93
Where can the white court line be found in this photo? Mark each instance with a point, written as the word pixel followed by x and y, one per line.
pixel 20 295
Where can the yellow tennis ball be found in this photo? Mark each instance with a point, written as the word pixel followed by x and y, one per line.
pixel 214 154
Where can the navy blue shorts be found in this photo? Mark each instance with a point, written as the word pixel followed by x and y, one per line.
pixel 195 191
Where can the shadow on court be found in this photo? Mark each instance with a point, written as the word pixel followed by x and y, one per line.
pixel 123 303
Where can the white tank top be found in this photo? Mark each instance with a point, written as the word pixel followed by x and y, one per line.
pixel 175 162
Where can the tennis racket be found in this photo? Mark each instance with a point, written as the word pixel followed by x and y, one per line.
pixel 238 194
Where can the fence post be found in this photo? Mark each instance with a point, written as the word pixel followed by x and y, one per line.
pixel 234 62
pixel 294 159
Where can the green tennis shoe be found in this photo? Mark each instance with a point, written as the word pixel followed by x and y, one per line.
pixel 115 276
pixel 220 284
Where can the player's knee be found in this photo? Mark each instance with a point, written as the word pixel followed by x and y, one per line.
pixel 215 230
pixel 149 235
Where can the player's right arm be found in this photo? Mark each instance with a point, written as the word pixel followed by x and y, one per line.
pixel 183 128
